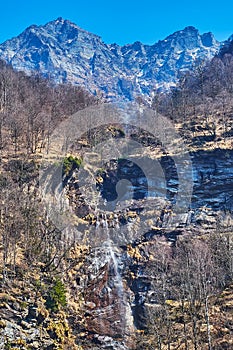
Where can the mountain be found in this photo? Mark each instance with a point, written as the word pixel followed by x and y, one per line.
pixel 226 47
pixel 67 53
pixel 103 252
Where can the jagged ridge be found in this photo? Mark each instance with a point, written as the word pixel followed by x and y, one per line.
pixel 67 53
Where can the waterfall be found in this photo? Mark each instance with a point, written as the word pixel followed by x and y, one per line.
pixel 106 289
pixel 113 258
pixel 109 251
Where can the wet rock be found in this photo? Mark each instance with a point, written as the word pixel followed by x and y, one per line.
pixel 213 179
pixel 106 299
pixel 32 314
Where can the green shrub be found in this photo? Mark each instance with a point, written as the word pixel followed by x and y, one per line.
pixel 56 296
pixel 7 345
pixel 70 163
pixel 100 172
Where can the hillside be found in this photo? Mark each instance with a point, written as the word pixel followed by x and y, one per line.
pixel 95 252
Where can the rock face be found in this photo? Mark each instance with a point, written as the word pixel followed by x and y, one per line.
pixel 108 311
pixel 26 325
pixel 66 53
pixel 112 281
pixel 118 288
pixel 227 47
pixel 213 180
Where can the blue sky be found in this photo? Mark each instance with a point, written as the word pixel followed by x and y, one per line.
pixel 121 21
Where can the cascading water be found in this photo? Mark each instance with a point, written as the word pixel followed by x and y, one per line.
pixel 121 192
pixel 114 262
pixel 113 279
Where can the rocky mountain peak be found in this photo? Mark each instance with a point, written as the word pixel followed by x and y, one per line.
pixel 67 53
pixel 230 38
pixel 189 38
pixel 208 39
pixel 61 25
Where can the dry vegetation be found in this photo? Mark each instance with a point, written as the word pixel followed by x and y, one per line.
pixel 193 296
